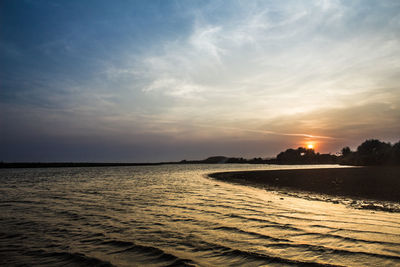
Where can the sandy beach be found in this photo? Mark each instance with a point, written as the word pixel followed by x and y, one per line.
pixel 377 183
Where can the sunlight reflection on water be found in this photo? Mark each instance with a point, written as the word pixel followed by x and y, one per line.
pixel 175 215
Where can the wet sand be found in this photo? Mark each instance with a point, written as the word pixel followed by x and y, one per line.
pixel 375 183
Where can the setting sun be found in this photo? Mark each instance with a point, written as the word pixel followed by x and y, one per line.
pixel 310 145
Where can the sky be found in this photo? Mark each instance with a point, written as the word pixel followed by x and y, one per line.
pixel 147 81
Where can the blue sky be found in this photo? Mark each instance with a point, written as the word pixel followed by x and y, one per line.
pixel 167 80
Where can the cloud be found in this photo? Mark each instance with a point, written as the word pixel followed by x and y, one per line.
pixel 277 70
pixel 350 124
pixel 204 39
pixel 177 88
pixel 256 62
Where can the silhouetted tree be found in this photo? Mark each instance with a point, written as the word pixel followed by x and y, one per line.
pixel 396 153
pixel 303 155
pixel 373 152
pixel 346 151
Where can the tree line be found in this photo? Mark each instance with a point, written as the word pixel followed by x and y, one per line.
pixel 370 152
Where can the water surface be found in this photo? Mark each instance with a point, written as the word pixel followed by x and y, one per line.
pixel 174 215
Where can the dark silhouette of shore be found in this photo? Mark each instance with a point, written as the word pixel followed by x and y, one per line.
pixel 370 153
pixel 70 164
pixel 378 183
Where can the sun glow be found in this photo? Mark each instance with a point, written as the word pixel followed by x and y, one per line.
pixel 310 145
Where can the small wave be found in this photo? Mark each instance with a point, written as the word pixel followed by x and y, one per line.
pixel 332 221
pixel 79 258
pixel 270 259
pixel 333 229
pixel 345 238
pixel 237 230
pixel 10 235
pixel 239 257
pixel 355 203
pixel 151 254
pixel 269 223
pixel 70 258
pixel 333 250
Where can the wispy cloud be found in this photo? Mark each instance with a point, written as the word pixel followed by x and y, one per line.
pixel 250 69
pixel 273 60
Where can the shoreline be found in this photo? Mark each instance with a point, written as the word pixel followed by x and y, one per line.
pixel 18 165
pixel 369 183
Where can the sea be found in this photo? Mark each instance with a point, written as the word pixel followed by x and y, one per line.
pixel 175 215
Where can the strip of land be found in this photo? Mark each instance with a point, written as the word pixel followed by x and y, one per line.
pixel 377 183
pixel 70 164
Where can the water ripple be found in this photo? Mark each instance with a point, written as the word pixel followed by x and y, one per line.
pixel 176 216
